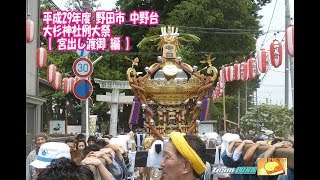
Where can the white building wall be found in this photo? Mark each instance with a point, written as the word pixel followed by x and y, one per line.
pixel 31 48
pixel 33 99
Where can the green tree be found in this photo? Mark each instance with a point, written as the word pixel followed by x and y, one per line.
pixel 223 27
pixel 227 28
pixel 273 117
pixel 110 67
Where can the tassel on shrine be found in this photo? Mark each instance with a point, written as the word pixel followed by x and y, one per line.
pixel 205 108
pixel 135 109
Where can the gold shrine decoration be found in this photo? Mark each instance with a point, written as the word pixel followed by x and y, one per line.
pixel 177 88
pixel 172 92
pixel 169 51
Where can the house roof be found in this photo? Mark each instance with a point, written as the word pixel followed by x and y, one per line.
pixel 44 82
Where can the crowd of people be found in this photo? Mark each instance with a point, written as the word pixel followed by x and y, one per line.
pixel 180 156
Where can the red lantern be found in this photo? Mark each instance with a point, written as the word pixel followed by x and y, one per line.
pixel 57 81
pixel 218 85
pixel 215 95
pixel 252 67
pixel 244 71
pixel 262 60
pixel 230 73
pixel 290 40
pixel 41 58
pixel 276 53
pixel 51 73
pixel 71 82
pixel 221 85
pixel 221 74
pixel 65 85
pixel 236 69
pixel 29 30
pixel 225 74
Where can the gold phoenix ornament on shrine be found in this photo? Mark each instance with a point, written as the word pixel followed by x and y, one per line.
pixel 179 91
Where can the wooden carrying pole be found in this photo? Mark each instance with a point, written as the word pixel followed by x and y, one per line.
pixel 278 153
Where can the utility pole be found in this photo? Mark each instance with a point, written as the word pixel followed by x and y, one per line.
pixel 291 76
pixel 292 79
pixel 246 95
pixel 239 108
pixel 224 103
pixel 286 89
pixel 85 112
pixel 287 23
pixel 85 103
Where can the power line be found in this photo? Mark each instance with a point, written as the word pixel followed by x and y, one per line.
pixel 213 30
pixel 159 53
pixel 205 32
pixel 274 35
pixel 270 21
pixel 276 71
pixel 216 30
pixel 270 91
pixel 269 65
pixel 128 23
pixel 265 73
pixel 271 85
pixel 53 4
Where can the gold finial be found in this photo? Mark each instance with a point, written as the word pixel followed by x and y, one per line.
pixel 169 34
pixel 134 62
pixel 210 69
pixel 208 60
